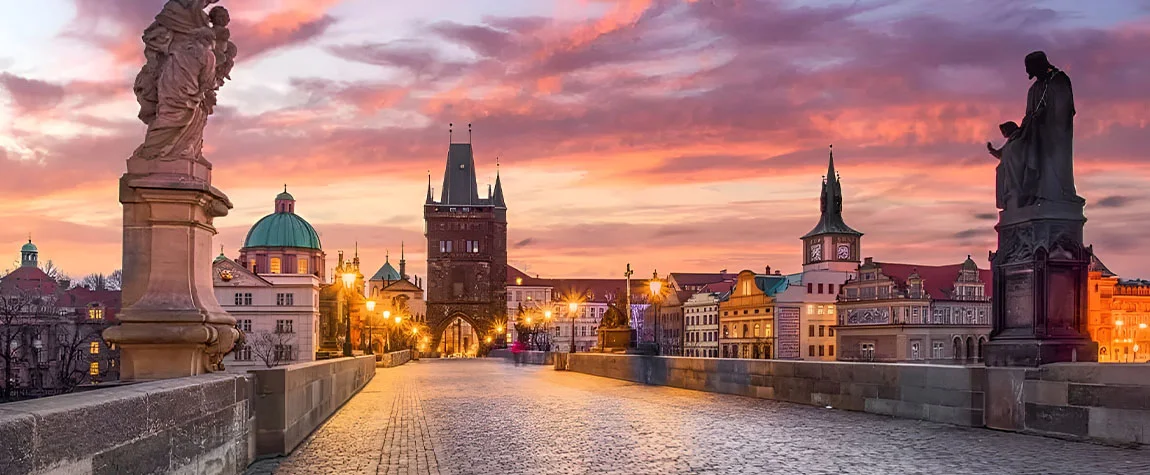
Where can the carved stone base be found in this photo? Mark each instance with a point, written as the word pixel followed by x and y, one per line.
pixel 614 339
pixel 171 324
pixel 1039 288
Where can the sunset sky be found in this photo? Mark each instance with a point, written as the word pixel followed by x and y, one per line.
pixel 677 134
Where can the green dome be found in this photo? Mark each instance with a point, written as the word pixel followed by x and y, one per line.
pixel 282 230
pixel 28 247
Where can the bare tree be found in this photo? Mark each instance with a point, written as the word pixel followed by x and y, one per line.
pixel 94 281
pixel 116 279
pixel 14 311
pixel 57 274
pixel 273 348
pixel 75 336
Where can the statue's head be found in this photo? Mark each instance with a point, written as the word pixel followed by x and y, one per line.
pixel 1037 64
pixel 219 16
pixel 1008 128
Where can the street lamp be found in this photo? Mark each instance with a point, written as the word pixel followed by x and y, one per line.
pixel 348 281
pixel 370 340
pixel 386 319
pixel 656 287
pixel 572 308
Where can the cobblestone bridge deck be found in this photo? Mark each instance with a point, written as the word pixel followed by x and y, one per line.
pixel 489 417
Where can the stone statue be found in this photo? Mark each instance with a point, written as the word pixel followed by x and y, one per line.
pixel 616 315
pixel 1037 160
pixel 188 56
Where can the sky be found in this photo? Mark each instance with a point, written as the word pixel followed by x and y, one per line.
pixel 678 135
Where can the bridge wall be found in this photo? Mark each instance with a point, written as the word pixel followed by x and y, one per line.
pixel 393 359
pixel 197 425
pixel 1109 403
pixel 528 357
pixel 292 401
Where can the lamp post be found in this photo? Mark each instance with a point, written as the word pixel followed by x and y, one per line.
pixel 656 287
pixel 547 326
pixel 387 320
pixel 572 307
pixel 348 281
pixel 370 338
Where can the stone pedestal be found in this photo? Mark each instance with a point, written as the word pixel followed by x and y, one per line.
pixel 171 324
pixel 612 340
pixel 1039 296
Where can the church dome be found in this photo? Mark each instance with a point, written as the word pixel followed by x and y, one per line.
pixel 28 247
pixel 283 228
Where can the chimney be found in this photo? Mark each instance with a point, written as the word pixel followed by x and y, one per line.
pixel 768 270
pixel 869 260
pixel 778 272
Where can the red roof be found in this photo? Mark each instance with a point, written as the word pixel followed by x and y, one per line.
pixel 720 287
pixel 600 290
pixel 513 274
pixel 689 278
pixel 938 281
pixel 28 279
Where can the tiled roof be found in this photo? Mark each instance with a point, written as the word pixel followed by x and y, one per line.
pixel 938 281
pixel 513 274
pixel 28 279
pixel 690 278
pixel 1096 265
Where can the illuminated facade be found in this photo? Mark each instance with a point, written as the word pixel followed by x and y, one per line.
pixel 746 319
pixel 1119 316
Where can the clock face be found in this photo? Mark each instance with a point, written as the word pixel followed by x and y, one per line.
pixel 844 251
pixel 816 252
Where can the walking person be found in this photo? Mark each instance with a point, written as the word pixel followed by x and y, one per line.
pixel 517 352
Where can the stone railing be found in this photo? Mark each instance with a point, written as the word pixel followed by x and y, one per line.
pixel 1109 403
pixel 292 401
pixel 527 357
pixel 199 424
pixel 393 359
pixel 210 424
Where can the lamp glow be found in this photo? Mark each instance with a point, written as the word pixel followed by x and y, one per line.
pixel 370 305
pixel 572 307
pixel 348 280
pixel 398 319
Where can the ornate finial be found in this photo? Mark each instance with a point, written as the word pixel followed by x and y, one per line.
pixel 468 132
pixel 221 249
pixel 450 131
pixel 386 256
pixel 285 187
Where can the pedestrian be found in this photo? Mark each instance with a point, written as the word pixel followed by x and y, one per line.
pixel 517 352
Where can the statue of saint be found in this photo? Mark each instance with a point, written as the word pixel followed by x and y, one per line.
pixel 189 75
pixel 176 87
pixel 1038 158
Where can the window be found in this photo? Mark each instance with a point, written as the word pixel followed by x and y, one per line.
pixel 810 288
pixel 830 331
pixel 820 288
pixel 822 330
pixel 866 351
pixel 810 309
pixel 94 368
pixel 444 246
pixel 811 350
pixel 822 350
pixel 830 288
pixel 244 325
pixel 936 350
pixel 95 313
pixel 275 265
pixel 285 299
pixel 94 348
pixel 756 330
pixel 811 331
pixel 301 265
pixel 284 326
pixel 726 333
pixel 471 246
pixel 831 350
pixel 284 353
pixel 244 353
pixel 914 355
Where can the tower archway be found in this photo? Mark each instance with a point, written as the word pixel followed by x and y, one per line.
pixel 458 338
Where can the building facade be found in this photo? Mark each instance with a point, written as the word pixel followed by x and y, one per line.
pixel 466 256
pixel 525 294
pixel 51 338
pixel 277 312
pixel 1118 315
pixel 747 320
pixel 914 313
pixel 701 324
pixel 806 315
pixel 396 293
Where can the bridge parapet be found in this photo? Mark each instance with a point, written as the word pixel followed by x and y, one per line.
pixel 1102 402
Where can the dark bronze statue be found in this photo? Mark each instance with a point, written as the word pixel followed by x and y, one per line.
pixel 1037 159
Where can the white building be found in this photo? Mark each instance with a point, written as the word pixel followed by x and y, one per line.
pixel 278 313
pixel 701 324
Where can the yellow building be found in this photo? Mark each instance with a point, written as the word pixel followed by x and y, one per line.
pixel 1119 316
pixel 746 319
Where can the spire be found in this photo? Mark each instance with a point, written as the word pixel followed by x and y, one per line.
pixel 831 204
pixel 402 262
pixel 459 181
pixel 497 196
pixel 430 200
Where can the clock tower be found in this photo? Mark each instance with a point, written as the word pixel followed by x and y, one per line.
pixel 831 245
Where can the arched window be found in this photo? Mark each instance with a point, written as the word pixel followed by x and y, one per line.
pixel 275 265
pixel 969 347
pixel 756 330
pixel 957 348
pixel 726 334
pixel 301 264
pixel 745 330
pixel 981 341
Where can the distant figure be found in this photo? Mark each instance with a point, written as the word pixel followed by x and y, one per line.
pixel 1007 175
pixel 517 352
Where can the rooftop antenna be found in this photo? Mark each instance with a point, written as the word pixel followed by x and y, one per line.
pixel 468 132
pixel 450 127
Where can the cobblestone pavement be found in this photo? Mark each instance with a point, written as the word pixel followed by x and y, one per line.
pixel 489 417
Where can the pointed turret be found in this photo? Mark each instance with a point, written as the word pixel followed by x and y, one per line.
pixel 497 198
pixel 430 199
pixel 831 205
pixel 460 186
pixel 402 262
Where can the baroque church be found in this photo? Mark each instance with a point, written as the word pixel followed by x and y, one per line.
pixel 466 258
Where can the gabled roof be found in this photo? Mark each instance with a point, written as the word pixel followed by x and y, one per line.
pixel 1096 265
pixel 514 274
pixel 938 281
pixel 28 279
pixel 402 285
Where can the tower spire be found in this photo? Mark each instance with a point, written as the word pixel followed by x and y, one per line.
pixel 450 131
pixel 402 262
pixel 468 132
pixel 831 203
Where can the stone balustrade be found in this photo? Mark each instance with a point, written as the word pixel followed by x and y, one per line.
pixel 1108 403
pixel 527 357
pixel 393 359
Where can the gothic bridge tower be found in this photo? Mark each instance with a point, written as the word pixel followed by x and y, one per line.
pixel 466 258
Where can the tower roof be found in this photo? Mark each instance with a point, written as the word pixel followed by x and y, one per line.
pixel 497 197
pixel 831 218
pixel 386 272
pixel 283 228
pixel 459 180
pixel 285 196
pixel 29 247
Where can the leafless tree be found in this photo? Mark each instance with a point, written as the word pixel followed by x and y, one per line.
pixel 273 348
pixel 74 337
pixel 15 308
pixel 57 274
pixel 116 279
pixel 94 281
